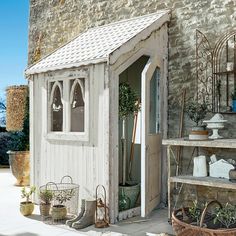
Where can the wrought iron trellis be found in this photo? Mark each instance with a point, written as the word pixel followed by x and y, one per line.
pixel 215 80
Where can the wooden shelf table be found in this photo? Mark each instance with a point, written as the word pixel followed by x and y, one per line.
pixel 188 179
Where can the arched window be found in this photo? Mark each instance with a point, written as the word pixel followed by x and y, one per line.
pixel 56 107
pixel 77 106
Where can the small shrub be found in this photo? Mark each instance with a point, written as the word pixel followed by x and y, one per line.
pixel 8 141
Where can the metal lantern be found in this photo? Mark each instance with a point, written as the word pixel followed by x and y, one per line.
pixel 101 216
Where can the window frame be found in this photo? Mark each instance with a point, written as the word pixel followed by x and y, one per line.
pixel 66 133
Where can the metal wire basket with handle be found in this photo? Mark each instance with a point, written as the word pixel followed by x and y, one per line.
pixel 66 191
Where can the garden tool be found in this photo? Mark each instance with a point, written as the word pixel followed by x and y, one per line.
pixel 77 218
pixel 88 216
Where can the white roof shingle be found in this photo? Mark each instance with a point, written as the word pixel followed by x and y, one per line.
pixel 95 44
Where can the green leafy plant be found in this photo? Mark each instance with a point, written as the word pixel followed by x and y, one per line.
pixel 64 196
pixel 225 215
pixel 46 196
pixel 196 111
pixel 23 143
pixel 27 192
pixel 128 101
pixel 195 211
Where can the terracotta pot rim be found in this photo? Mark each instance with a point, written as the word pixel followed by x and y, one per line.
pixel 26 203
pixel 59 206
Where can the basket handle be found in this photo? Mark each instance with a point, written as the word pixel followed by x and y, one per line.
pixel 66 176
pixel 205 210
pixel 52 183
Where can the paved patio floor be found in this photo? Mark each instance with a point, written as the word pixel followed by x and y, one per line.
pixel 12 223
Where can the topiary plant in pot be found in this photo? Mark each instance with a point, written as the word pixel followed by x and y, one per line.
pixel 45 197
pixel 128 105
pixel 27 207
pixel 197 112
pixel 59 210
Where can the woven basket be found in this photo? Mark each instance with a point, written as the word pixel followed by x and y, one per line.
pixel 184 229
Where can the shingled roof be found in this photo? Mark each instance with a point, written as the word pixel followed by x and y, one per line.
pixel 96 44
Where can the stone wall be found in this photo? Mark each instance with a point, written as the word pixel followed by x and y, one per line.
pixel 55 22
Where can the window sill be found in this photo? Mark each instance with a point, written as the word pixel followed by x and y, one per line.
pixel 70 136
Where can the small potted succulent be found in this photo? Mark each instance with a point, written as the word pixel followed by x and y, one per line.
pixel 197 112
pixel 27 206
pixel 45 197
pixel 59 210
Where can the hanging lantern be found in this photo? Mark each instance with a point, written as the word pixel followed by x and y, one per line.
pixel 101 216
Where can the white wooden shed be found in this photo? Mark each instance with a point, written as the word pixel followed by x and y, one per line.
pixel 74 95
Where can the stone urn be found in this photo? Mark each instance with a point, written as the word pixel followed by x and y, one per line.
pixel 20 166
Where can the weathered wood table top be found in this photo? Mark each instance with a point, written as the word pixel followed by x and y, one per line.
pixel 217 143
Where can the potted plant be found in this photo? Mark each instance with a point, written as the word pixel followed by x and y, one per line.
pixel 27 206
pixel 233 96
pixel 214 219
pixel 225 216
pixel 197 112
pixel 45 197
pixel 59 210
pixel 128 105
pixel 19 158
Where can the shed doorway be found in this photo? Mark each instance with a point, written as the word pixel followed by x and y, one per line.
pixel 142 188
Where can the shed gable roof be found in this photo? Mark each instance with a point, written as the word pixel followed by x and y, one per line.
pixel 95 44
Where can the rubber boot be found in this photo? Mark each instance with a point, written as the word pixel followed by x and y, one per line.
pixel 88 216
pixel 77 218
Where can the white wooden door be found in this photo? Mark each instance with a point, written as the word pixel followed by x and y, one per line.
pixel 151 139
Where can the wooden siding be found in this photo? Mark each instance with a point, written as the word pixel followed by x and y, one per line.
pixel 85 162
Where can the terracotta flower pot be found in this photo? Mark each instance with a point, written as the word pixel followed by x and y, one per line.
pixel 20 166
pixel 59 212
pixel 26 208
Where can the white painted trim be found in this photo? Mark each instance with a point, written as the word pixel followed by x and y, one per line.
pixel 32 142
pixel 64 67
pixel 55 85
pixel 113 57
pixel 79 82
pixel 65 77
pixel 145 78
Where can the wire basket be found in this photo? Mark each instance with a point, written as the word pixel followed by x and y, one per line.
pixel 64 190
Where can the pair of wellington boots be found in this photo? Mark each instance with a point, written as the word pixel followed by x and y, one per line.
pixel 85 217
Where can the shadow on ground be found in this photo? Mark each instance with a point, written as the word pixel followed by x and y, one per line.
pixel 21 234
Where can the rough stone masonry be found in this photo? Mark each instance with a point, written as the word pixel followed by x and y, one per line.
pixel 55 22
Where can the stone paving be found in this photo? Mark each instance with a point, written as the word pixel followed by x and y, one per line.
pixel 12 223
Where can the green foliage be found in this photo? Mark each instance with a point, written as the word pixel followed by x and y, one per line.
pixel 195 211
pixel 23 142
pixel 196 111
pixel 8 141
pixel 128 101
pixel 225 215
pixel 64 195
pixel 233 95
pixel 46 196
pixel 27 192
